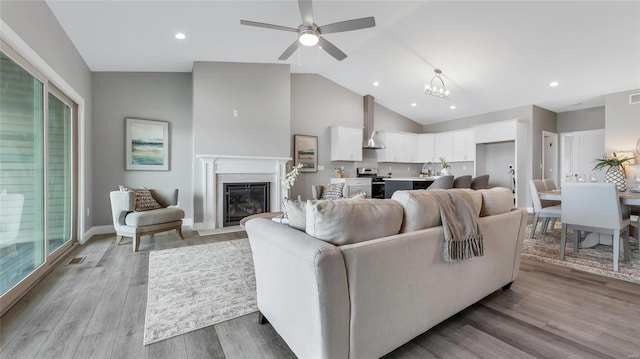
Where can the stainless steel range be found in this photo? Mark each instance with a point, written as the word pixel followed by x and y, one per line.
pixel 377 181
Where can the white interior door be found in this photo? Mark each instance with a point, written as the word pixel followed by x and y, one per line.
pixel 578 152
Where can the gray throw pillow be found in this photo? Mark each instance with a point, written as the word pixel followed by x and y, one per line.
pixel 333 191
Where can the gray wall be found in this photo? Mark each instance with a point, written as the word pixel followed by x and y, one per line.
pixel 261 94
pixel 36 25
pixel 581 120
pixel 149 96
pixel 542 120
pixel 622 126
pixel 316 104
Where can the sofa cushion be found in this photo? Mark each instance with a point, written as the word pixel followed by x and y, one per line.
pixel 296 214
pixel 347 221
pixel 421 210
pixel 496 200
pixel 162 215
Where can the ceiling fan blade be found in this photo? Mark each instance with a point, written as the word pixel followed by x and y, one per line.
pixel 349 25
pixel 290 50
pixel 268 26
pixel 331 49
pixel 306 10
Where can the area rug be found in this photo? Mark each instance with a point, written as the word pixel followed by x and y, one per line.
pixel 198 286
pixel 597 260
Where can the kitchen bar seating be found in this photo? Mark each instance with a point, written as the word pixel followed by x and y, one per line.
pixel 579 201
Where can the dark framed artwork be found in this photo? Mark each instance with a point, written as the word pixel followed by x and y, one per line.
pixel 305 151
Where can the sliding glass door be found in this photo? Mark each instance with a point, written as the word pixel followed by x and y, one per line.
pixel 37 182
pixel 59 171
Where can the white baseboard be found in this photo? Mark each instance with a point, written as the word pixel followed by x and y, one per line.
pixel 187 224
pixel 229 229
pixel 95 230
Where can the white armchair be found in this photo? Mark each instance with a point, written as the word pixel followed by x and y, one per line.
pixel 129 223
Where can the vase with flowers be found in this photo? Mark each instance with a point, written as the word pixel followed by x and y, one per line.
pixel 615 170
pixel 446 168
pixel 287 183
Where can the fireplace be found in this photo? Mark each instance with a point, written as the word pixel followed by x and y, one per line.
pixel 244 199
pixel 217 170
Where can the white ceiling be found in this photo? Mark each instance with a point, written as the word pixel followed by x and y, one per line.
pixel 494 55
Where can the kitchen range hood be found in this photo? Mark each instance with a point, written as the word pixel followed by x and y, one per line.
pixel 369 141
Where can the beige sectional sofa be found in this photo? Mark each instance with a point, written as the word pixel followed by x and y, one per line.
pixel 367 276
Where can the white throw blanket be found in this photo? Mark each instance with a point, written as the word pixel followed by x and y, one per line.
pixel 462 237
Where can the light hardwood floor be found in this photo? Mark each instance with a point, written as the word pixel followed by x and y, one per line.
pixel 96 310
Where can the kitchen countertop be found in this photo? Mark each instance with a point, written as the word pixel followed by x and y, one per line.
pixel 411 178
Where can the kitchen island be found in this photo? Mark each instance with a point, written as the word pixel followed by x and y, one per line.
pixel 393 184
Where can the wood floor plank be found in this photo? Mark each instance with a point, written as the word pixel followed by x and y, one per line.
pixel 528 338
pixel 110 306
pixel 63 340
pixel 172 348
pixel 96 345
pixel 130 346
pixel 268 341
pixel 203 344
pixel 410 350
pixel 549 312
pixel 236 340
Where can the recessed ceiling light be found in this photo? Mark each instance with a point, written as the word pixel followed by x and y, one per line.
pixel 181 36
pixel 376 83
pixel 413 104
pixel 554 84
pixel 453 107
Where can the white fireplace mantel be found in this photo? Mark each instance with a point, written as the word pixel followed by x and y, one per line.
pixel 216 166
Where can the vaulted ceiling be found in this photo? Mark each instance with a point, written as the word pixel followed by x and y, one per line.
pixel 494 55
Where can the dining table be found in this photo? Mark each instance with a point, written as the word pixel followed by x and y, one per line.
pixel 627 198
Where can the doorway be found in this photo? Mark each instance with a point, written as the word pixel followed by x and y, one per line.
pixel 550 156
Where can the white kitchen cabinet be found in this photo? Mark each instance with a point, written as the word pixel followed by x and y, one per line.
pixel 392 151
pixel 496 132
pixel 426 147
pixel 401 147
pixel 464 146
pixel 443 146
pixel 346 143
pixel 410 148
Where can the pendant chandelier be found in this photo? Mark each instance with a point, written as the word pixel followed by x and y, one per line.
pixel 436 89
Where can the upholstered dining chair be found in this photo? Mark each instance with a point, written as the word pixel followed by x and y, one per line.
pixel 442 182
pixel 480 182
pixel 462 182
pixel 542 209
pixel 549 185
pixel 594 207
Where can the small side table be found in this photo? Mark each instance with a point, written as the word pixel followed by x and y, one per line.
pixel 268 215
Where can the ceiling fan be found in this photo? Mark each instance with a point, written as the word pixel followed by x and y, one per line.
pixel 309 33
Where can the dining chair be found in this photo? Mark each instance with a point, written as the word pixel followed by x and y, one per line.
pixel 594 207
pixel 480 182
pixel 442 182
pixel 542 209
pixel 549 185
pixel 462 182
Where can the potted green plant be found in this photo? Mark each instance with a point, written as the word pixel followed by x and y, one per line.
pixel 446 168
pixel 614 169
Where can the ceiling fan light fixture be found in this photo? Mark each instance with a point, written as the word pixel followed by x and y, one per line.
pixel 308 38
pixel 433 90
